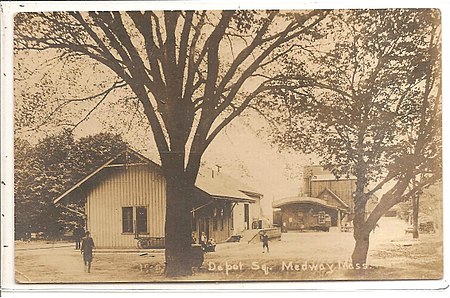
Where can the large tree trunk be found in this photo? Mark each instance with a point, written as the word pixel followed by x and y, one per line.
pixel 359 255
pixel 179 190
pixel 363 226
pixel 361 236
pixel 361 231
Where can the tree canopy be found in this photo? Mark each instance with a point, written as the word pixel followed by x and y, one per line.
pixel 45 170
pixel 368 103
pixel 190 73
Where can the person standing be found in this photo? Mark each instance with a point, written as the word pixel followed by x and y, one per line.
pixel 203 240
pixel 87 246
pixel 78 233
pixel 265 241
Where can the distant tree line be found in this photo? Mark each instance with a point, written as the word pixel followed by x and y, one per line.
pixel 44 170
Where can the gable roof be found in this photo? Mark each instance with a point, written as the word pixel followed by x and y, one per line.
pixel 219 186
pixel 96 171
pixel 335 196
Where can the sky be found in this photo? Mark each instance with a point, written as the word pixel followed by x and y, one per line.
pixel 243 150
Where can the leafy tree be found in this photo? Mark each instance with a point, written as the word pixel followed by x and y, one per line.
pixel 368 104
pixel 47 169
pixel 22 173
pixel 189 72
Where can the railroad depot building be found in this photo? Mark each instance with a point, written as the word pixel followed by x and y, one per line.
pixel 322 197
pixel 125 200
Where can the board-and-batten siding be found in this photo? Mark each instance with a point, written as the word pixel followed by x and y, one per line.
pixel 117 187
pixel 342 188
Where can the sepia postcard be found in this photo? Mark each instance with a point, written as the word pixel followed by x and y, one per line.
pixel 225 145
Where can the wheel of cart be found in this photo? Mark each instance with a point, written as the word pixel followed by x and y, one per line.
pixel 143 243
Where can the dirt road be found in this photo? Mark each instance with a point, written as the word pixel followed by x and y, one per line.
pixel 297 256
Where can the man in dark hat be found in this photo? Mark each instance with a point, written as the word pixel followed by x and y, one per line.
pixel 87 247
